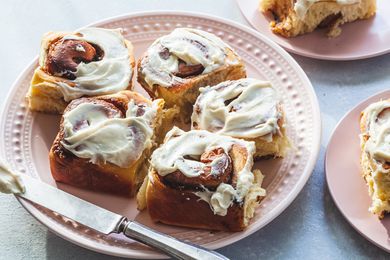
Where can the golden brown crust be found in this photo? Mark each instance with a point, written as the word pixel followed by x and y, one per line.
pixel 70 169
pixel 44 95
pixel 183 208
pixel 184 94
pixel 178 205
pixel 279 145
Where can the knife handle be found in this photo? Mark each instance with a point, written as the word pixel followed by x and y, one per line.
pixel 169 245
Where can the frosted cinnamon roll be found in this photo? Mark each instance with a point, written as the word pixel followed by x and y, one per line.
pixel 88 62
pixel 176 65
pixel 104 142
pixel 202 180
pixel 247 108
pixel 375 154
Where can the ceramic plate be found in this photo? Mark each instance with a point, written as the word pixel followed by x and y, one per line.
pixel 358 40
pixel 346 185
pixel 26 137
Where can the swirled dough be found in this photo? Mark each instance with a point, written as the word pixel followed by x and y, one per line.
pixel 109 75
pixel 189 45
pixel 179 145
pixel 89 133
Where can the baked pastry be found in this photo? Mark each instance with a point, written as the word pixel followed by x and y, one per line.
pixel 292 18
pixel 88 62
pixel 375 154
pixel 246 108
pixel 104 142
pixel 176 65
pixel 202 180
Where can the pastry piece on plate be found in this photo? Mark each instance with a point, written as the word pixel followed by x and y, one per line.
pixel 203 180
pixel 292 18
pixel 246 108
pixel 375 154
pixel 88 62
pixel 104 142
pixel 176 65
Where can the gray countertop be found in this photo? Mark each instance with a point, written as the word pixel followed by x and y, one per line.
pixel 310 227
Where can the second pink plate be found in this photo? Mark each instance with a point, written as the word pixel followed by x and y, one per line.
pixel 358 40
pixel 347 187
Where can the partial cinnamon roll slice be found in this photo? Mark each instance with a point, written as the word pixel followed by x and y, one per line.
pixel 375 154
pixel 104 142
pixel 88 62
pixel 295 17
pixel 176 65
pixel 247 108
pixel 202 180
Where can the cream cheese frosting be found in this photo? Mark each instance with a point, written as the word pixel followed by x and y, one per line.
pixel 245 108
pixel 89 133
pixel 10 181
pixel 190 45
pixel 302 6
pixel 109 75
pixel 376 147
pixel 378 122
pixel 178 145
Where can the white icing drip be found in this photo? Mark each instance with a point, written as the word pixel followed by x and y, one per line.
pixel 109 75
pixel 378 143
pixel 302 6
pixel 120 141
pixel 220 200
pixel 253 112
pixel 10 181
pixel 178 144
pixel 190 45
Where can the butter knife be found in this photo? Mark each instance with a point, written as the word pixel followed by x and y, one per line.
pixel 107 222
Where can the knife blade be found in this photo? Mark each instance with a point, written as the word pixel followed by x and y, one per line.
pixel 70 206
pixel 107 222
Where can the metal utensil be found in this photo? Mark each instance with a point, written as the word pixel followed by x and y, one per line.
pixel 108 222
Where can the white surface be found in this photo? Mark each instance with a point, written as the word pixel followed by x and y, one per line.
pixel 309 228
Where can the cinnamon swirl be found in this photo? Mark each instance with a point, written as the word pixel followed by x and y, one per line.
pixel 246 108
pixel 88 62
pixel 375 154
pixel 176 65
pixel 104 142
pixel 202 180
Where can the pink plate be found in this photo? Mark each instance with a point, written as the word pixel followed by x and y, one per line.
pixel 25 137
pixel 358 40
pixel 346 185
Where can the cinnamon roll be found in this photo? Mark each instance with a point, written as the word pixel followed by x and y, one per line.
pixel 104 142
pixel 293 18
pixel 202 180
pixel 375 154
pixel 247 108
pixel 176 65
pixel 88 62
